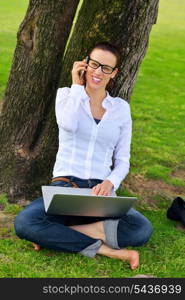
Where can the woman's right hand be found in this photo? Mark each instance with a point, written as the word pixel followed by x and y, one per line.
pixel 78 66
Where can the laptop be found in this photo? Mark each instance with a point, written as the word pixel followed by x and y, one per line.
pixel 80 202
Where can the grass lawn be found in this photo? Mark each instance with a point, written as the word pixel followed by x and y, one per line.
pixel 158 106
pixel 162 257
pixel 157 171
pixel 11 14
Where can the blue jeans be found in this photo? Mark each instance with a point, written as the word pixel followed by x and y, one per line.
pixel 53 231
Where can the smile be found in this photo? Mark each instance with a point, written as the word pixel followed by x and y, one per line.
pixel 95 79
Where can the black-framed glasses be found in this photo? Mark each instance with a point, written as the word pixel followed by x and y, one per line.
pixel 95 65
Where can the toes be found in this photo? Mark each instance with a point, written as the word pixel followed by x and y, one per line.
pixel 36 247
pixel 133 267
pixel 134 263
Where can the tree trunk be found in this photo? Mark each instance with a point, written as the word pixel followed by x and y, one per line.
pixel 28 131
pixel 125 23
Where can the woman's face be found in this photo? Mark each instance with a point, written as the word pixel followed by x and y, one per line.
pixel 96 78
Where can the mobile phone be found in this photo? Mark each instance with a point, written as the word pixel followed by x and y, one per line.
pixel 83 71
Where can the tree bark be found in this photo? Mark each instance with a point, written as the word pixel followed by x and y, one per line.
pixel 28 131
pixel 125 23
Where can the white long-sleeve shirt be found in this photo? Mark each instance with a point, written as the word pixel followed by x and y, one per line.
pixel 86 149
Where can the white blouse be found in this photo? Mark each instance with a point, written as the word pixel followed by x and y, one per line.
pixel 89 150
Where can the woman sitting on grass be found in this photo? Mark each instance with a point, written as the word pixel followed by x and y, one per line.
pixel 94 131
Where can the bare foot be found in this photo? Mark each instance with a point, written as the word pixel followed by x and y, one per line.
pixel 94 230
pixel 36 247
pixel 131 256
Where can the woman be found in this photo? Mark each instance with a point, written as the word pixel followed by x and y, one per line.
pixel 94 152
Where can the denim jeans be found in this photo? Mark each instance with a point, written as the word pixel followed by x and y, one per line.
pixel 53 231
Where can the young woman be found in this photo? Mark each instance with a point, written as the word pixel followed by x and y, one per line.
pixel 94 152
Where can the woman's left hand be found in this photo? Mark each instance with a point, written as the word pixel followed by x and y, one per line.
pixel 103 189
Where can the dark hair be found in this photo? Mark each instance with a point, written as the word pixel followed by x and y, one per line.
pixel 108 47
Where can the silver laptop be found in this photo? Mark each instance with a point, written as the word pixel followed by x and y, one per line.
pixel 80 202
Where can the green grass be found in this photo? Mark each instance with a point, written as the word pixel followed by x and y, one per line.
pixel 161 257
pixel 3 200
pixel 11 14
pixel 158 149
pixel 157 104
pixel 8 208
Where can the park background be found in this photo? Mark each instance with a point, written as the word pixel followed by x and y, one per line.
pixel 157 173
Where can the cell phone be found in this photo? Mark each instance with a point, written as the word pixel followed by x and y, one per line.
pixel 83 71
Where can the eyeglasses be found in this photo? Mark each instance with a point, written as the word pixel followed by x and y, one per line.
pixel 95 65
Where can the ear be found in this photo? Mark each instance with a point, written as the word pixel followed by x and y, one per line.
pixel 114 73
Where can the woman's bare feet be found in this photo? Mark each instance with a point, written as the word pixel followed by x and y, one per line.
pixel 96 230
pixel 36 247
pixel 131 256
